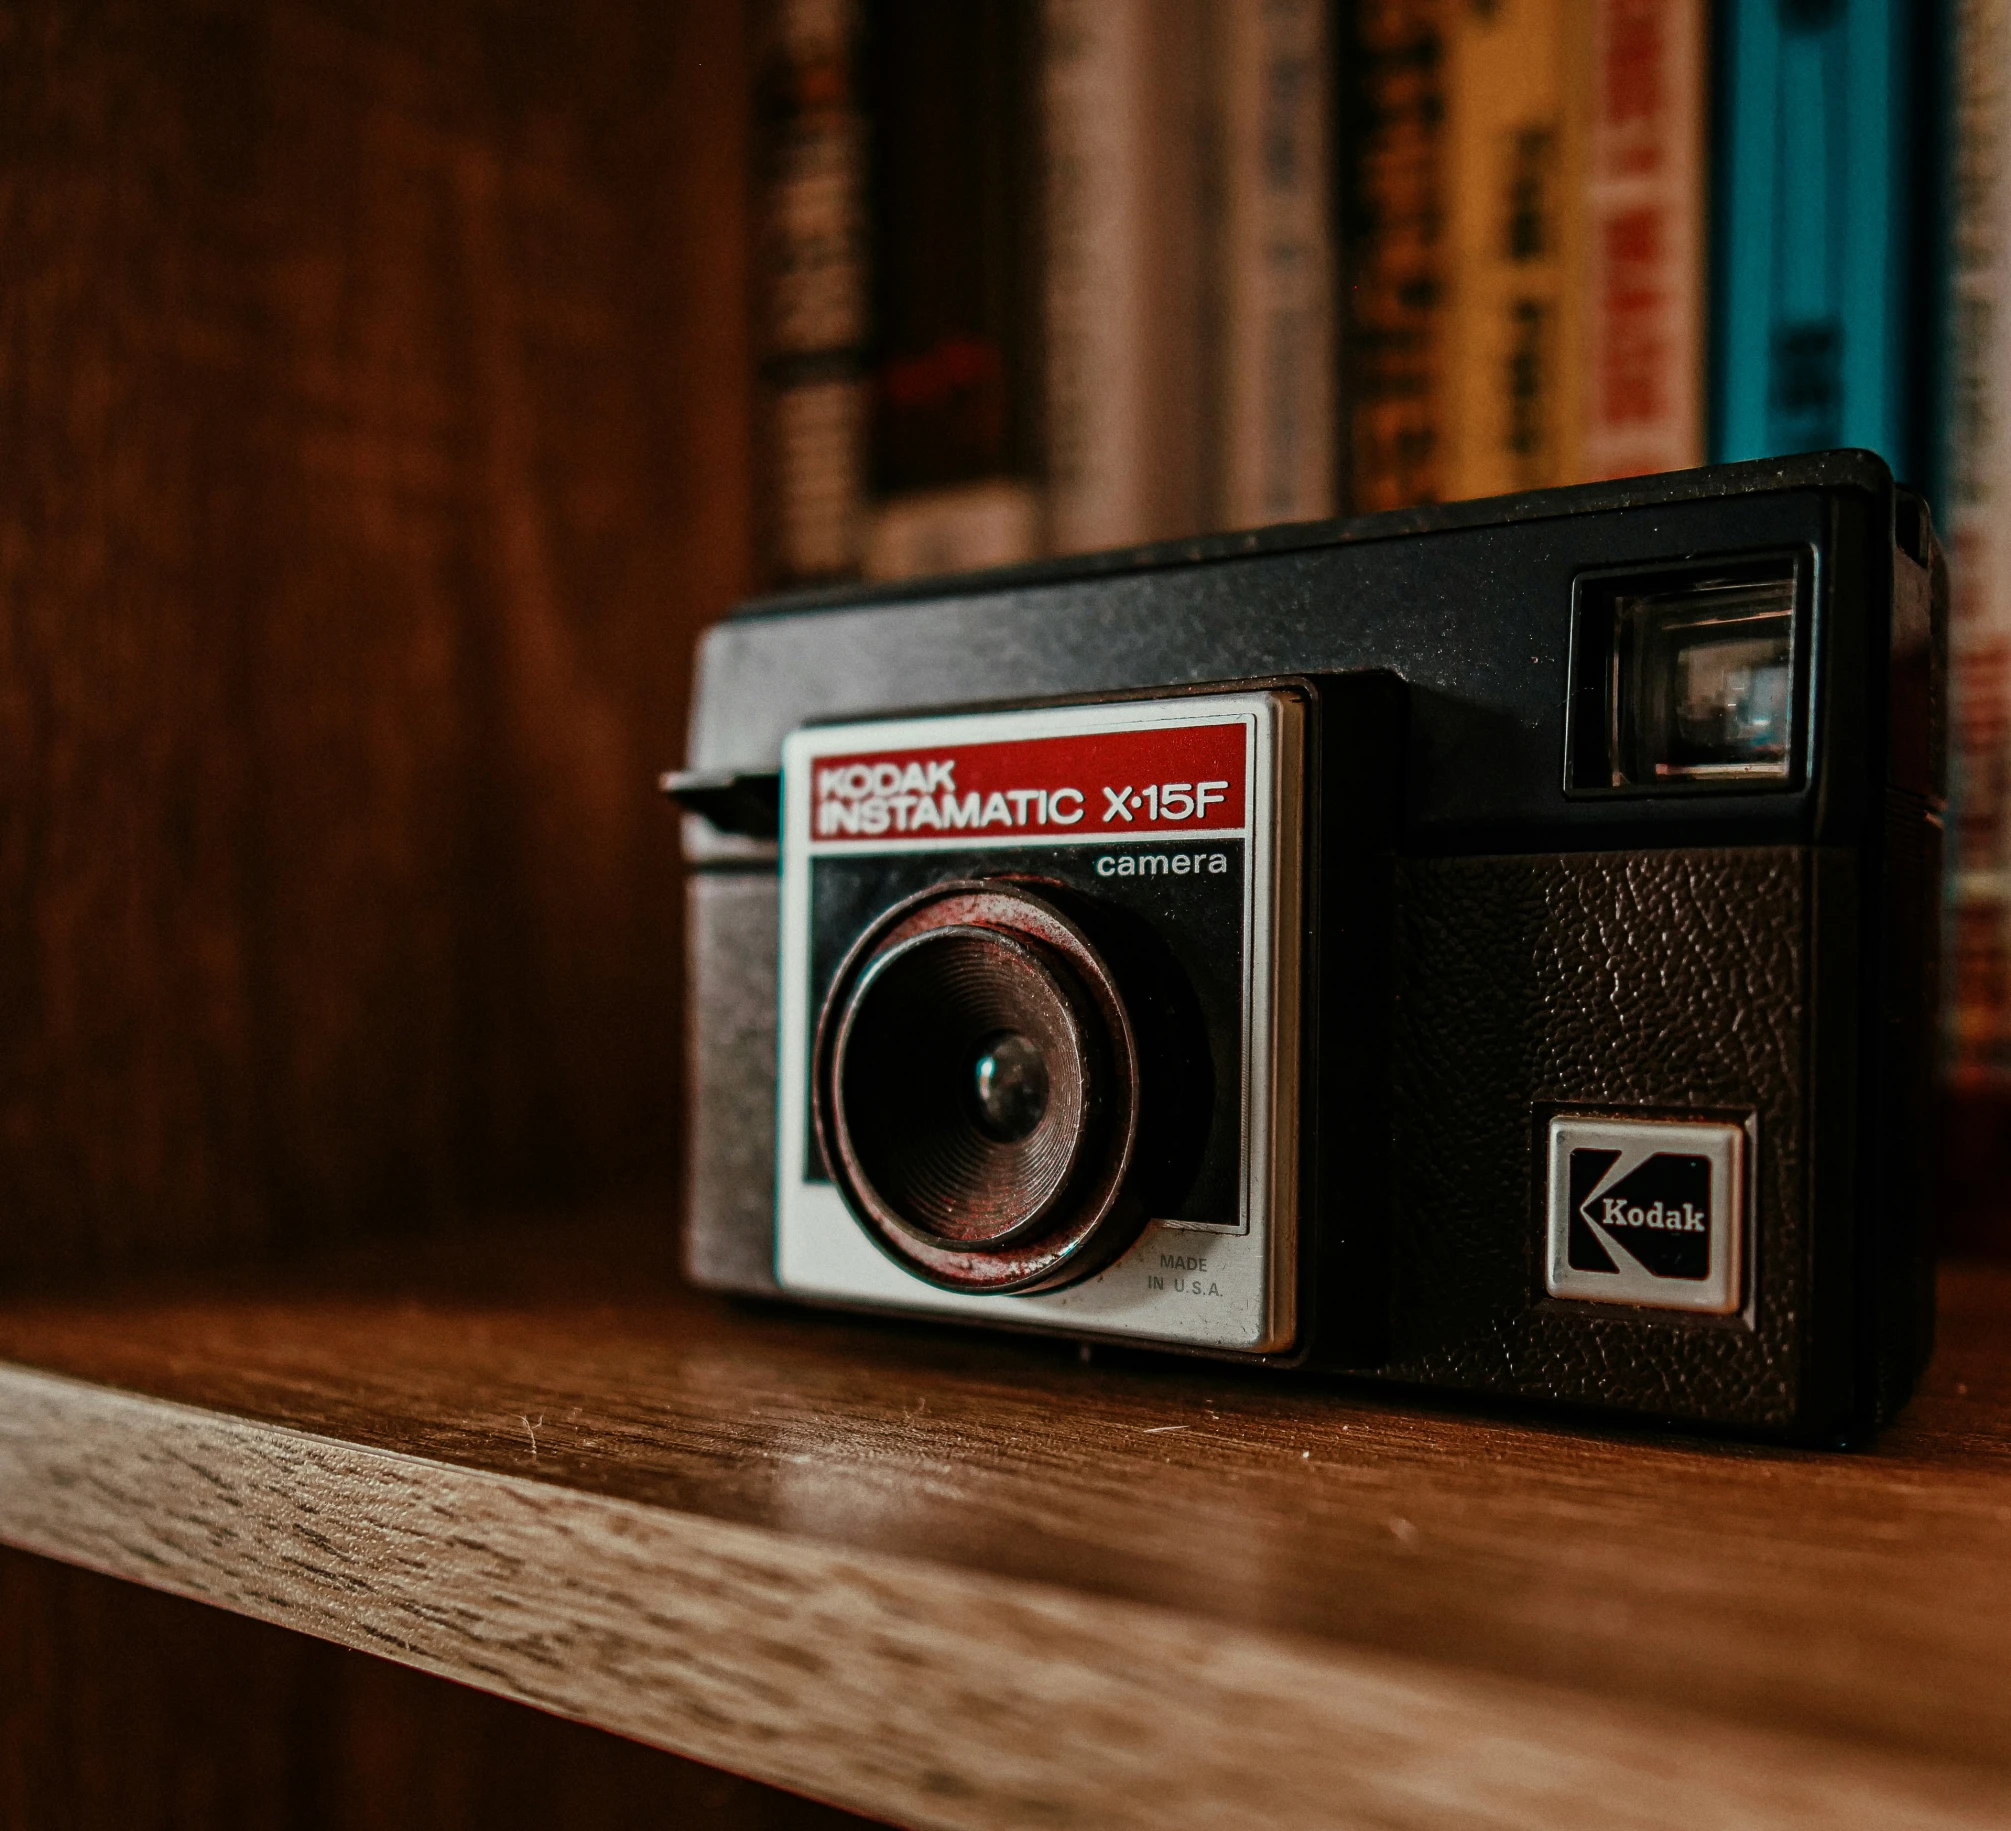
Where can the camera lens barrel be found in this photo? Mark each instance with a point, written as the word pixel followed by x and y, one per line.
pixel 976 1090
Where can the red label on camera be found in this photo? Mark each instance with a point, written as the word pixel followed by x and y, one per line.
pixel 1108 784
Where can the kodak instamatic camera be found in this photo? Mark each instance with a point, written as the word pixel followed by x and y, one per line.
pixel 1488 948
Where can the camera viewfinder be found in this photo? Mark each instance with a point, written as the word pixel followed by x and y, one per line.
pixel 1685 685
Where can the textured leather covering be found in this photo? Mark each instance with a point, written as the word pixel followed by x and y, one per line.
pixel 1678 980
pixel 732 924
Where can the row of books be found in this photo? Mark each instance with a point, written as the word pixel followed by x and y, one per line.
pixel 1043 276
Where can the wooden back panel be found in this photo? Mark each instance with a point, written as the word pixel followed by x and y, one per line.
pixel 373 441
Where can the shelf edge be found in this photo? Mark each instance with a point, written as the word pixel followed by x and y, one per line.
pixel 913 1691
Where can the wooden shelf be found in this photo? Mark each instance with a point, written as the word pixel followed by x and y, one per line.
pixel 958 1580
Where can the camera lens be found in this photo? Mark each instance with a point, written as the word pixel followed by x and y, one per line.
pixel 944 1092
pixel 975 1090
pixel 1010 1085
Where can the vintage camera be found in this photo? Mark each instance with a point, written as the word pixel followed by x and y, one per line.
pixel 1488 948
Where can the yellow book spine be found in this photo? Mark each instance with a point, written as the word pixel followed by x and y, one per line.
pixel 1516 98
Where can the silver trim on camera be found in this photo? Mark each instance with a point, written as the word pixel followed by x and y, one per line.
pixel 1647 1212
pixel 1182 1282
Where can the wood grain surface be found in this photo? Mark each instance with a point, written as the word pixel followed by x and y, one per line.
pixel 963 1581
pixel 129 1710
pixel 373 442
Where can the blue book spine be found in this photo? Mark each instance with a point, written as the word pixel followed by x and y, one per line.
pixel 1814 284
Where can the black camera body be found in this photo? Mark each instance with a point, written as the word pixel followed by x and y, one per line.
pixel 1488 948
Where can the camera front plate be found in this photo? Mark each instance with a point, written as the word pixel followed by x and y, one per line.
pixel 1181 817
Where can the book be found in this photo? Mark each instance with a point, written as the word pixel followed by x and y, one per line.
pixel 949 95
pixel 1125 136
pixel 1391 111
pixel 1978 468
pixel 1642 398
pixel 958 528
pixel 812 314
pixel 1514 174
pixel 1273 351
pixel 1812 293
